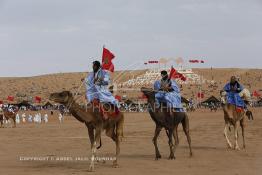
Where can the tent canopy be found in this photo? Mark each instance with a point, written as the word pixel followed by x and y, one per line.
pixel 211 99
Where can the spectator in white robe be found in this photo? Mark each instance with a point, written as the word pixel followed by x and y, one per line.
pixel 46 118
pixel 60 117
pixel 23 118
pixel 39 118
pixel 30 118
pixel 17 118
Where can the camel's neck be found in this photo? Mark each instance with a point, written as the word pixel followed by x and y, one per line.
pixel 151 103
pixel 79 113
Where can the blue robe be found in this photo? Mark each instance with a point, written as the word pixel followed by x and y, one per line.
pixel 99 90
pixel 172 99
pixel 233 96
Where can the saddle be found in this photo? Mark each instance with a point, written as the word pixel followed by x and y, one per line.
pixel 107 110
pixel 239 109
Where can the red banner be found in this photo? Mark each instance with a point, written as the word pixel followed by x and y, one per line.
pixel 38 99
pixel 176 75
pixel 107 58
pixel 256 94
pixel 153 62
pixel 196 61
pixel 118 97
pixel 200 95
pixel 10 98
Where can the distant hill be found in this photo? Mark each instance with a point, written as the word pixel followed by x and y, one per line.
pixel 24 88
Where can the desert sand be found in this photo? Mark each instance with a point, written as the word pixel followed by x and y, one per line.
pixel 70 139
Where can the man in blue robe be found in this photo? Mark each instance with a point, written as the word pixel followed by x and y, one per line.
pixel 96 85
pixel 233 88
pixel 168 92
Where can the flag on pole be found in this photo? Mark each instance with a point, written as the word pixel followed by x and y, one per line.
pixel 172 72
pixel 107 58
pixel 10 98
pixel 176 75
pixel 38 99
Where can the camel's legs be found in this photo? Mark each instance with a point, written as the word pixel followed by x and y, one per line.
pixel 91 135
pixel 116 138
pixel 93 149
pixel 176 136
pixel 185 124
pixel 14 119
pixel 157 132
pixel 171 145
pixel 242 124
pixel 226 136
pixel 236 136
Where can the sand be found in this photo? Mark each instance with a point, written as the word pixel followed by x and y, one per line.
pixel 70 139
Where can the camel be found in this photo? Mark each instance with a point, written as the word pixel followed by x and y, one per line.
pixel 8 115
pixel 234 117
pixel 94 122
pixel 169 121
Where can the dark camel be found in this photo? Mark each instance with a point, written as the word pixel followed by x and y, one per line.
pixel 1 120
pixel 94 122
pixel 169 121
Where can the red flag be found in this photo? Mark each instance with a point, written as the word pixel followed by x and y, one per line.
pixel 10 98
pixel 38 99
pixel 172 72
pixel 107 58
pixel 174 75
pixel 200 95
pixel 118 97
pixel 256 94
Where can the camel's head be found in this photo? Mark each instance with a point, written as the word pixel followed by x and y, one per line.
pixel 148 92
pixel 61 97
pixel 223 97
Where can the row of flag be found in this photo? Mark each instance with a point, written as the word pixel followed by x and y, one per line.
pixel 196 61
pixel 12 98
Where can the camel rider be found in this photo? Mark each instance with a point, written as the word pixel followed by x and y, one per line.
pixel 168 92
pixel 11 109
pixel 233 88
pixel 96 86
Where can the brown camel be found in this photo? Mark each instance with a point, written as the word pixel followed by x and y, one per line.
pixel 8 115
pixel 233 117
pixel 167 120
pixel 94 122
pixel 1 120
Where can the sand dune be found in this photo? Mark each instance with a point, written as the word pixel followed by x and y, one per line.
pixel 42 86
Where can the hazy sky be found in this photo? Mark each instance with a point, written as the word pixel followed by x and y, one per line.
pixel 49 36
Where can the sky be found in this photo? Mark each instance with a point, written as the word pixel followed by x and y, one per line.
pixel 51 36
